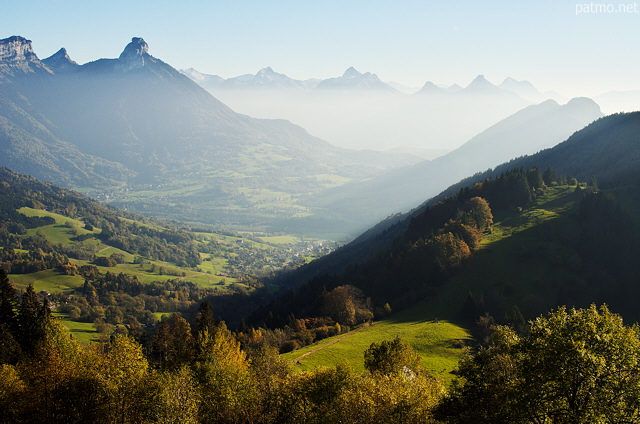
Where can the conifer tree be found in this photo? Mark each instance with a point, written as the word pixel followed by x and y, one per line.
pixel 204 318
pixel 32 319
pixel 8 301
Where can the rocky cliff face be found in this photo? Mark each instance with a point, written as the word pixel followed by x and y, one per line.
pixel 16 49
pixel 17 56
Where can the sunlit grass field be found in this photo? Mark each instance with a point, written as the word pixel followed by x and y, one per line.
pixel 439 343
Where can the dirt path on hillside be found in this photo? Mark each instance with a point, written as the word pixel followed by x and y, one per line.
pixel 332 342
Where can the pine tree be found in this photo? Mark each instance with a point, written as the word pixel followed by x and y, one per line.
pixel 549 176
pixel 32 319
pixel 534 178
pixel 204 318
pixel 8 301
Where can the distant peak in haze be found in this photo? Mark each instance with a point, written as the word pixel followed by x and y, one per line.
pixel 584 104
pixel 480 82
pixel 134 54
pixel 512 83
pixel 269 79
pixel 269 74
pixel 351 72
pixel 266 71
pixel 430 87
pixel 481 86
pixel 524 89
pixel 194 74
pixel 60 62
pixel 354 80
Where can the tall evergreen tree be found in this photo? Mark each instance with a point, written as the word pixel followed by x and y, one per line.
pixel 535 178
pixel 8 301
pixel 32 319
pixel 549 176
pixel 204 318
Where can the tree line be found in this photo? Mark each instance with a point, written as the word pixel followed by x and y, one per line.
pixel 570 366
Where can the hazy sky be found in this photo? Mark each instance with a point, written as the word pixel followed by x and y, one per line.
pixel 575 48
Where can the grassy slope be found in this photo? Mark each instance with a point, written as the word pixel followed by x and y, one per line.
pixel 84 332
pixel 505 264
pixel 439 343
pixel 520 260
pixel 63 232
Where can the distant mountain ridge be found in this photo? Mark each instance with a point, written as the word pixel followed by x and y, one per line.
pixel 120 126
pixel 267 78
pixel 360 111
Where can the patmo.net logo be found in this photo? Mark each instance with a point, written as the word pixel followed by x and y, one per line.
pixel 606 8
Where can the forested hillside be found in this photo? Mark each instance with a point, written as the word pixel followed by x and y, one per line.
pixel 556 240
pixel 435 245
pixel 111 268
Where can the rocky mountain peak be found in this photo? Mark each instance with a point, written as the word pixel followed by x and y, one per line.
pixel 133 56
pixel 60 62
pixel 137 47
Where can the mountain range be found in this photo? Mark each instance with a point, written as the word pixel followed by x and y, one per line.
pixel 359 110
pixel 136 132
pixel 353 80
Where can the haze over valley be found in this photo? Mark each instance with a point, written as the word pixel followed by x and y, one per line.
pixel 359 111
pixel 286 212
pixel 144 137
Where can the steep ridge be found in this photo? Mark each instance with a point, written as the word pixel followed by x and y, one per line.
pixel 530 130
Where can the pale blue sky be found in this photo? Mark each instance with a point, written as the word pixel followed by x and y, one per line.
pixel 409 41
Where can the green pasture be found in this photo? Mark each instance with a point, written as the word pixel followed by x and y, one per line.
pixel 440 343
pixel 50 280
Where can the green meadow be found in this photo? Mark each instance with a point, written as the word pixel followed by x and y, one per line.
pixel 440 343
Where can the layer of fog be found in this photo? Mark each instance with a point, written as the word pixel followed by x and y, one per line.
pixel 429 124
